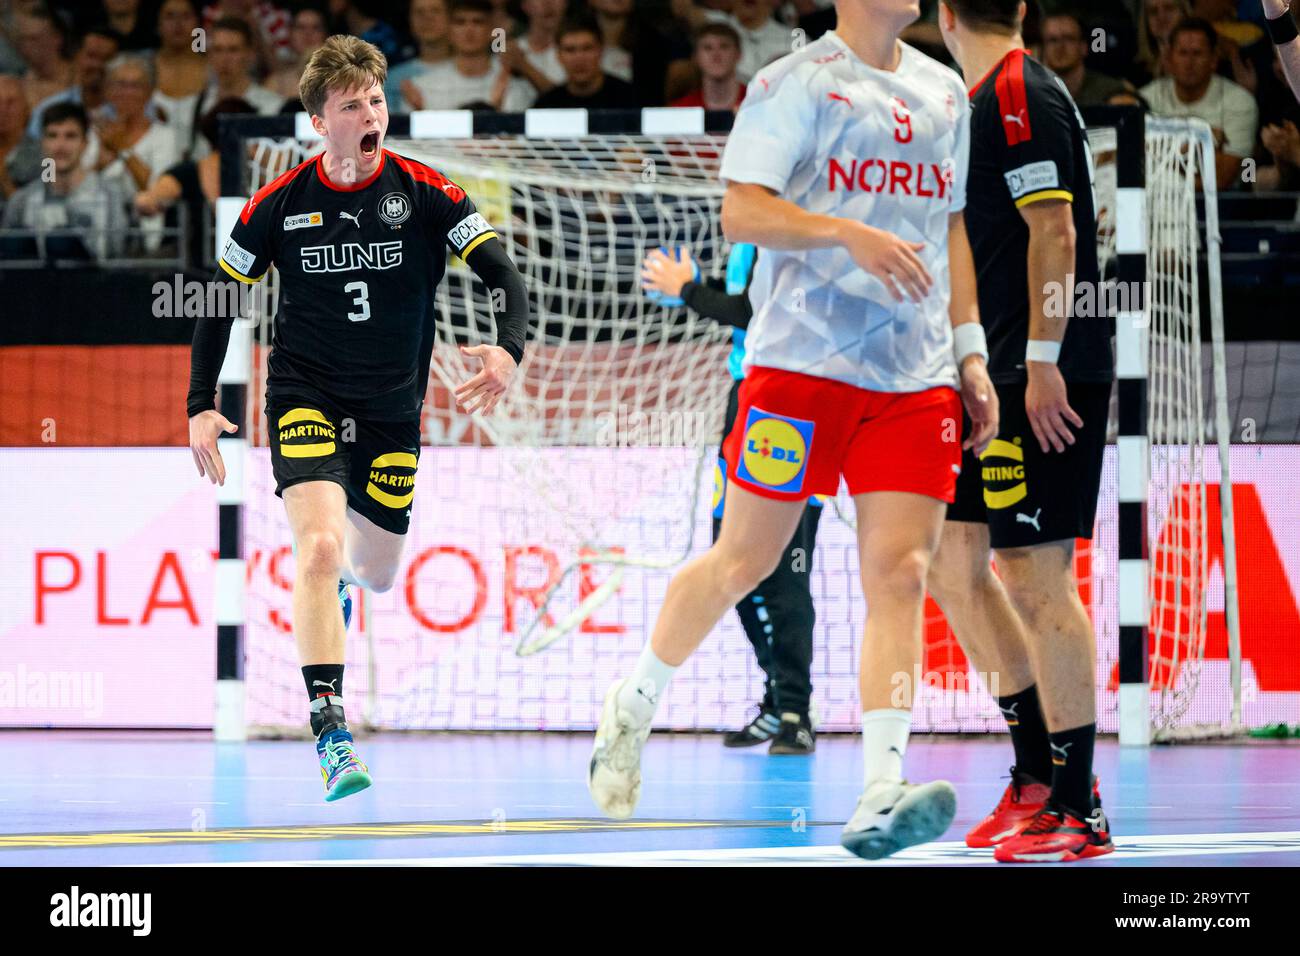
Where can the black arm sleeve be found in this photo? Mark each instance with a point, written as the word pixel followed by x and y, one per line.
pixel 713 303
pixel 491 264
pixel 207 352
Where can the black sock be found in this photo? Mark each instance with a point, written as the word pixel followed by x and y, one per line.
pixel 325 691
pixel 323 679
pixel 1028 733
pixel 1072 768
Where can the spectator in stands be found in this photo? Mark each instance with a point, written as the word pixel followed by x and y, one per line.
pixel 133 147
pixel 473 74
pixel 362 18
pixel 1157 19
pixel 717 56
pixel 78 213
pixel 1193 89
pixel 762 39
pixel 586 84
pixel 307 32
pixel 636 49
pixel 20 154
pixel 1283 143
pixel 429 27
pixel 180 69
pixel 1065 51
pixel 94 51
pixel 1243 47
pixel 195 185
pixel 268 29
pixel 41 41
pixel 124 18
pixel 230 60
pixel 534 55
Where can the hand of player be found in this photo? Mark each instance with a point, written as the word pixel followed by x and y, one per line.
pixel 661 273
pixel 890 259
pixel 1048 407
pixel 484 390
pixel 205 428
pixel 981 401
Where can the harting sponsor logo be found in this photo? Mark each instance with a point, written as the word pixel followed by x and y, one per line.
pixel 305 433
pixel 1004 474
pixel 392 479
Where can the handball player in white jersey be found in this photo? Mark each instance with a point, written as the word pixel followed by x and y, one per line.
pixel 847 164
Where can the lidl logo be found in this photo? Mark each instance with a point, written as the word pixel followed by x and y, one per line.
pixel 719 486
pixel 775 451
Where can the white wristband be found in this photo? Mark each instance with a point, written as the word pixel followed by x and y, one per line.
pixel 967 340
pixel 1039 350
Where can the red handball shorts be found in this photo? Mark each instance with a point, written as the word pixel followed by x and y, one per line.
pixel 795 435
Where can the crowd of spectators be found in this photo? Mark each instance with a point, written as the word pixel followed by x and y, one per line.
pixel 126 92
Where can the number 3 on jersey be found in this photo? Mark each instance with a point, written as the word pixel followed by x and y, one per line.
pixel 362 299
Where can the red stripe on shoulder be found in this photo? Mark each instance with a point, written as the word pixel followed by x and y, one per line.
pixel 1013 103
pixel 429 176
pixel 282 180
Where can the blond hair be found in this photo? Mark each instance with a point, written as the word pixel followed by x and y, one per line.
pixel 341 63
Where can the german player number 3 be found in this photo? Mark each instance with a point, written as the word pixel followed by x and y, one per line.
pixel 362 299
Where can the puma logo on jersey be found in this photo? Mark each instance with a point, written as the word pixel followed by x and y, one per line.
pixel 1022 518
pixel 1059 754
pixel 356 219
pixel 842 99
pixel 1019 119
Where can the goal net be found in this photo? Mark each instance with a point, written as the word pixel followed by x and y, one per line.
pixel 561 516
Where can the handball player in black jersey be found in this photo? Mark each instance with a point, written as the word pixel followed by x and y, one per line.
pixel 1032 222
pixel 360 236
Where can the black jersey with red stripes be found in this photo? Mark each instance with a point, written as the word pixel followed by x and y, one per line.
pixel 1029 143
pixel 358 269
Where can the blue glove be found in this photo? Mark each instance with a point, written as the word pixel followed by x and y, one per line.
pixel 671 302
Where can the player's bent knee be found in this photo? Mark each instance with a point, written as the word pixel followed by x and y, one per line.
pixel 378 580
pixel 738 575
pixel 902 578
pixel 320 553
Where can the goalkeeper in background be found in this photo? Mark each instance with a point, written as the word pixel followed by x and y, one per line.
pixel 778 615
pixel 359 236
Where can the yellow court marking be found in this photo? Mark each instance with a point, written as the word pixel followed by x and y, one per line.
pixel 354 831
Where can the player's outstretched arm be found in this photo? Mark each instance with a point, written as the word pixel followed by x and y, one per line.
pixel 753 213
pixel 1281 26
pixel 971 350
pixel 509 301
pixel 207 352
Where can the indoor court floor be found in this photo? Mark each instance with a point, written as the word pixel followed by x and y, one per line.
pixel 79 799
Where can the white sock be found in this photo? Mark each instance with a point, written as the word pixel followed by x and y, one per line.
pixel 884 741
pixel 644 688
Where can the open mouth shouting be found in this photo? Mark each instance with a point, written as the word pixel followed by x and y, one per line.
pixel 370 145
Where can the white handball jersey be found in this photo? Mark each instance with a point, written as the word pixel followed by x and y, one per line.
pixel 838 137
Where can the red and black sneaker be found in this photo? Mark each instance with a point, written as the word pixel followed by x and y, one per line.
pixel 1020 802
pixel 1058 835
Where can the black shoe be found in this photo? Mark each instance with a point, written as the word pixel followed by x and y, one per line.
pixel 758 731
pixel 795 736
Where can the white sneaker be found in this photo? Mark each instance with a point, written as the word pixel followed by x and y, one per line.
pixel 614 775
pixel 893 815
